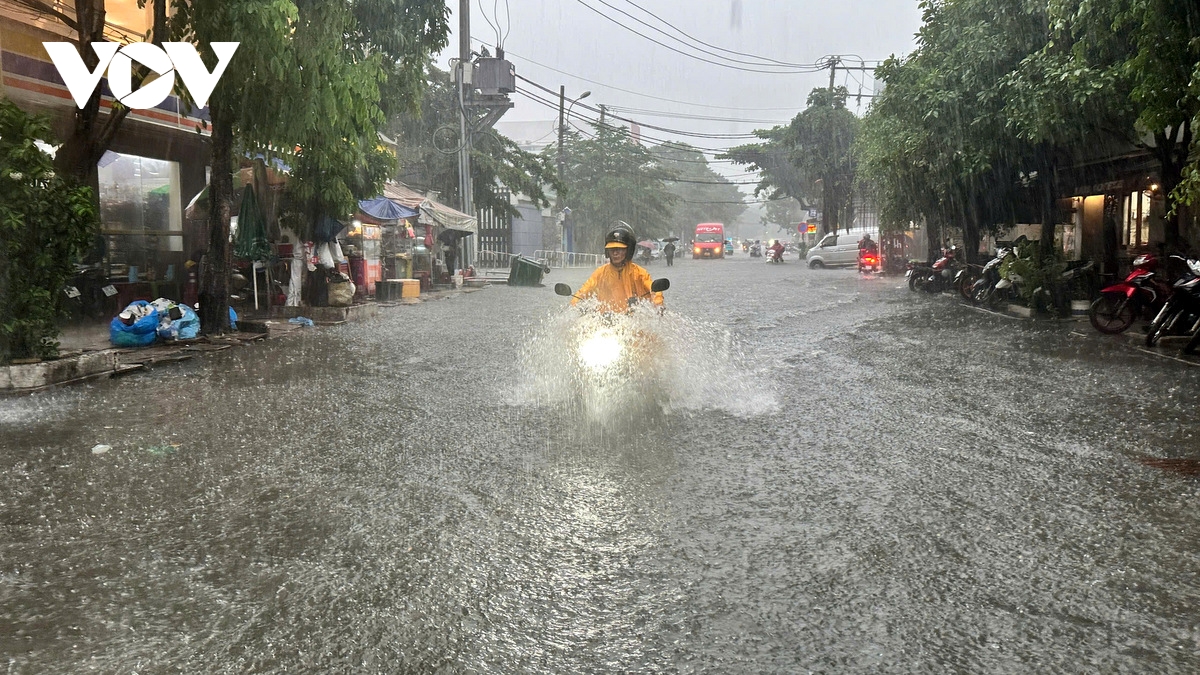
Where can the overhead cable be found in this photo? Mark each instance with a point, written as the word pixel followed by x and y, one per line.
pixel 637 93
pixel 813 68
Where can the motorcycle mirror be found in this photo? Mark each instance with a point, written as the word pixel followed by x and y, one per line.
pixel 660 285
pixel 562 289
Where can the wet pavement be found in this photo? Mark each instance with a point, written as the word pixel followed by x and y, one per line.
pixel 830 474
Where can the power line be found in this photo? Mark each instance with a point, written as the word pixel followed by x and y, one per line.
pixel 706 44
pixel 662 141
pixel 759 61
pixel 813 69
pixel 688 116
pixel 637 93
pixel 643 124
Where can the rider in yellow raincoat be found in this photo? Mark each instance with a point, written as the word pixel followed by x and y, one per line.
pixel 614 283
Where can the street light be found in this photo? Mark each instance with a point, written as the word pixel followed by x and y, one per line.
pixel 562 114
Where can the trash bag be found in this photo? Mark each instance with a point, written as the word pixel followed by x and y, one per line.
pixel 186 327
pixel 341 293
pixel 232 319
pixel 135 326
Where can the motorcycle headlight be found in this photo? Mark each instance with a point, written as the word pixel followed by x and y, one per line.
pixel 600 351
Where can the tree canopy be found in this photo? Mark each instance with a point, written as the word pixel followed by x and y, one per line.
pixel 609 177
pixel 811 158
pixel 703 195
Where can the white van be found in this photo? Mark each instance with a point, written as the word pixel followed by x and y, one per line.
pixel 835 250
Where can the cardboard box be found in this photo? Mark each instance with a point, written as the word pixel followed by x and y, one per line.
pixel 410 288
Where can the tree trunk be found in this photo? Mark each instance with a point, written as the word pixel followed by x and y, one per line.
pixel 5 347
pixel 1172 156
pixel 1049 210
pixel 92 133
pixel 829 208
pixel 214 273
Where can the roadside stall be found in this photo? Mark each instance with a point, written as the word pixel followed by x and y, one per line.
pixel 440 230
pixel 381 239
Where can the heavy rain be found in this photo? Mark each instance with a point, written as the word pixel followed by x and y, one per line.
pixel 427 336
pixel 846 476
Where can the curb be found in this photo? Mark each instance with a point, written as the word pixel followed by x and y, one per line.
pixel 30 378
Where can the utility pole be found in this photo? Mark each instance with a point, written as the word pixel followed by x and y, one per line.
pixel 833 64
pixel 603 112
pixel 829 218
pixel 558 199
pixel 465 201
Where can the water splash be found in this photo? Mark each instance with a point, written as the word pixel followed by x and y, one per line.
pixel 663 363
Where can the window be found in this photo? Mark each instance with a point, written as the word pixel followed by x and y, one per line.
pixel 1135 230
pixel 141 218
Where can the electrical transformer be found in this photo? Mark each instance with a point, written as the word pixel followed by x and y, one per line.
pixel 494 76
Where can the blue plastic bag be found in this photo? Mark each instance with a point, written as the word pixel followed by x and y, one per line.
pixel 232 319
pixel 186 327
pixel 140 333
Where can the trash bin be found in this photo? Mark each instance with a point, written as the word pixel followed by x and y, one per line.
pixel 526 271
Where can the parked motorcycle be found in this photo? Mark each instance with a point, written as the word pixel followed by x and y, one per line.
pixel 1140 295
pixel 987 289
pixel 1180 314
pixel 917 272
pixel 941 275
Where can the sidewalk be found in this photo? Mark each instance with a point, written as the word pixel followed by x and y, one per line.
pixel 86 354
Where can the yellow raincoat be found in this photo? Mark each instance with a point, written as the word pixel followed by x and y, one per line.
pixel 613 286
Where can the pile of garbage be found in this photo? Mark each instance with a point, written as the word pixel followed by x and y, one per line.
pixel 143 323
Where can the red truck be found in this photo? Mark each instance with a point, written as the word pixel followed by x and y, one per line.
pixel 709 241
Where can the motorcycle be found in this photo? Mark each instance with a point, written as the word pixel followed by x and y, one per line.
pixel 1141 295
pixel 774 256
pixel 940 276
pixel 1180 314
pixel 756 251
pixel 916 272
pixel 612 352
pixel 987 289
pixel 868 260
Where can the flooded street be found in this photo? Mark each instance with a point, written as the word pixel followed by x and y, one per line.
pixel 840 476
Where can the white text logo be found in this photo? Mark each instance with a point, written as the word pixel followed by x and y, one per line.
pixel 173 57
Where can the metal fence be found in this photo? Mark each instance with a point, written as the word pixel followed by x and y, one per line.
pixel 493 260
pixel 560 259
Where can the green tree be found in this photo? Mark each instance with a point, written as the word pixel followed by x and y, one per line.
pixel 1141 56
pixel 46 223
pixel 809 158
pixel 308 74
pixel 427 159
pixel 93 132
pixel 938 145
pixel 609 177
pixel 703 195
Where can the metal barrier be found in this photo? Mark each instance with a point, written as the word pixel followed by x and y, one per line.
pixel 561 259
pixel 493 260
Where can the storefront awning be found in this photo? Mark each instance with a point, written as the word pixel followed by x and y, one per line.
pixel 385 209
pixel 430 212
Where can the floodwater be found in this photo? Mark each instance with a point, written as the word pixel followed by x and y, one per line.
pixel 833 475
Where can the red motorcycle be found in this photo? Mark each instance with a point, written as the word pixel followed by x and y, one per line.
pixel 1141 295
pixel 868 260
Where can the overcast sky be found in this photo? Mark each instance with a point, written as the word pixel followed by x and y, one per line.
pixel 555 42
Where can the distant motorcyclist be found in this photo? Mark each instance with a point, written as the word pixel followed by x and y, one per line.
pixel 620 280
pixel 776 250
